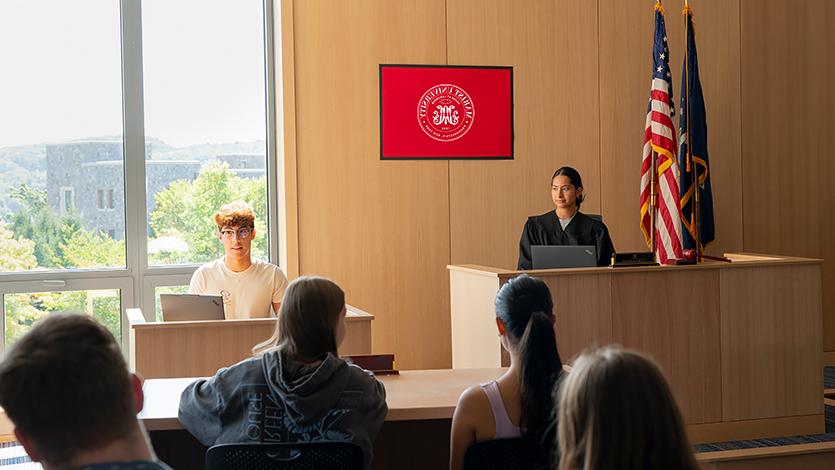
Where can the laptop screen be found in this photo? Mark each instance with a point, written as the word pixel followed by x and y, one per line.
pixel 563 256
pixel 191 307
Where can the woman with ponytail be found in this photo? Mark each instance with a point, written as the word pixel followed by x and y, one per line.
pixel 519 403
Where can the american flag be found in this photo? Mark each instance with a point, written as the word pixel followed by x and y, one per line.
pixel 660 142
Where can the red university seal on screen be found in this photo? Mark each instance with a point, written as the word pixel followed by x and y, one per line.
pixel 445 112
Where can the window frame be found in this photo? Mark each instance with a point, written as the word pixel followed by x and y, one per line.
pixel 101 281
pixel 137 280
pixel 63 199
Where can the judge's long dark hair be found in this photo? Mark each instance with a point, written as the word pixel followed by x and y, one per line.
pixel 573 176
pixel 525 307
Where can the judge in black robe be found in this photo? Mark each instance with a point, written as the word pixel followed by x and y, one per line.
pixel 545 229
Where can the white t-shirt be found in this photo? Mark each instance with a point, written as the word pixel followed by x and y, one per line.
pixel 247 294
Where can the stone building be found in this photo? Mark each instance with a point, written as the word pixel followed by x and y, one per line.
pixel 87 177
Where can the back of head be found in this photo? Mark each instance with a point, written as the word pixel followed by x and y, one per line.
pixel 617 411
pixel 66 386
pixel 525 307
pixel 235 214
pixel 307 319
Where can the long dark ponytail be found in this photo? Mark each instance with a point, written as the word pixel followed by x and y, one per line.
pixel 525 307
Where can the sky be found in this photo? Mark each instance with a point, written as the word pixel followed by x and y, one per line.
pixel 60 70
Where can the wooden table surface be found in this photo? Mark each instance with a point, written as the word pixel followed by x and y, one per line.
pixel 412 395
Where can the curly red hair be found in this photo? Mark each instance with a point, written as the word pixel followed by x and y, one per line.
pixel 235 214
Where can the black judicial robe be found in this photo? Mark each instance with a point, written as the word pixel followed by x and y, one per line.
pixel 545 229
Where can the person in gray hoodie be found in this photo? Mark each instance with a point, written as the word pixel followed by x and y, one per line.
pixel 295 388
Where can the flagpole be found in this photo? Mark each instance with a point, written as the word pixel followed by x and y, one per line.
pixel 694 184
pixel 653 201
pixel 653 192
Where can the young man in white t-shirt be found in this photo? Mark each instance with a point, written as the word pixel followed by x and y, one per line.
pixel 248 287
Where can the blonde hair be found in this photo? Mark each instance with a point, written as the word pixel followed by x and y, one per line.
pixel 235 214
pixel 306 326
pixel 617 411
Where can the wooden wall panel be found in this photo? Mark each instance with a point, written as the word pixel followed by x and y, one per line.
pixel 385 231
pixel 380 229
pixel 626 29
pixel 716 25
pixel 552 47
pixel 625 65
pixel 788 100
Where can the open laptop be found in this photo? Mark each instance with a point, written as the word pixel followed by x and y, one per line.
pixel 190 307
pixel 563 256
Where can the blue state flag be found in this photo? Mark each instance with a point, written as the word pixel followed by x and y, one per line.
pixel 696 216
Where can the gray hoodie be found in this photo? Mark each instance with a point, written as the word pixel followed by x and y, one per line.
pixel 275 399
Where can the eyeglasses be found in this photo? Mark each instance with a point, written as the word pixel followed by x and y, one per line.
pixel 241 233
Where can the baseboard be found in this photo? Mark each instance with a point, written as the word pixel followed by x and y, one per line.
pixel 756 428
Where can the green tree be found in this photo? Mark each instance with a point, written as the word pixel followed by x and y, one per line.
pixel 15 254
pixel 107 310
pixel 37 221
pixel 20 316
pixel 85 249
pixel 23 310
pixel 185 210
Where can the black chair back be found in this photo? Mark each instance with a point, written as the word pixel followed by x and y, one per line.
pixel 518 453
pixel 285 456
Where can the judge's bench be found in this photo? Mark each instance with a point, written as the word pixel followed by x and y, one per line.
pixel 740 343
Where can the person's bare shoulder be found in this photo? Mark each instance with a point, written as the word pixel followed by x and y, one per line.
pixel 473 403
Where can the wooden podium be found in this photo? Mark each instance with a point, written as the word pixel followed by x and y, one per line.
pixel 200 348
pixel 740 342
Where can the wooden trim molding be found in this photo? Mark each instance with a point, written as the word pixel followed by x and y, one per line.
pixel 756 428
pixel 287 162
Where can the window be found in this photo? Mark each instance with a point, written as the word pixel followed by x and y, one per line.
pixel 89 115
pixel 193 49
pixel 104 199
pixel 22 310
pixel 67 201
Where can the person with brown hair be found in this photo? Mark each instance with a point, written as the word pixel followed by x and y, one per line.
pixel 565 225
pixel 67 389
pixel 519 402
pixel 249 287
pixel 617 411
pixel 295 388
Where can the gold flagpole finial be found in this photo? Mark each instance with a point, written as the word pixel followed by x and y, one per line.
pixel 659 6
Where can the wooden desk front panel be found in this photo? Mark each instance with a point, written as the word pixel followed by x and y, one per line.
pixel 771 342
pixel 475 337
pixel 583 310
pixel 673 316
pixel 196 351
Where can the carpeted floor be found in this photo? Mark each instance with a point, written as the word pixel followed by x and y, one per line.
pixel 829 413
